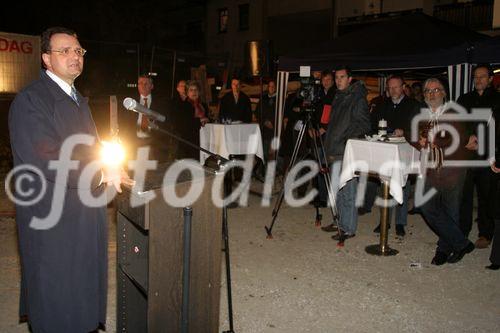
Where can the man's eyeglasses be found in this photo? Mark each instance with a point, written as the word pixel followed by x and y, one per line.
pixel 432 91
pixel 67 50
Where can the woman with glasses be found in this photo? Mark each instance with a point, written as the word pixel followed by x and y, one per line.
pixel 191 116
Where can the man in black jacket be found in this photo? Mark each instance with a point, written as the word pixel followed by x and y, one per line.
pixel 180 93
pixel 268 105
pixel 398 110
pixel 320 121
pixel 235 105
pixel 484 98
pixel 325 96
pixel 134 128
pixel 349 119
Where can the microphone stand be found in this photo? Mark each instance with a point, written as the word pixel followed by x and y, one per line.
pixel 221 163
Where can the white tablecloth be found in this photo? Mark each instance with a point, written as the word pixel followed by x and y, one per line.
pixel 393 162
pixel 225 140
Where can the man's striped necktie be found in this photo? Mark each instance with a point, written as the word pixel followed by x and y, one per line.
pixel 74 96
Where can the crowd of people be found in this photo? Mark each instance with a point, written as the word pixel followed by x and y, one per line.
pixel 342 112
pixel 449 211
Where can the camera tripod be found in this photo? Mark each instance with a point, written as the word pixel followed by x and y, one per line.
pixel 323 170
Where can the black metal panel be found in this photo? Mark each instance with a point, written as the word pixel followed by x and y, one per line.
pixel 133 252
pixel 137 215
pixel 150 249
pixel 131 305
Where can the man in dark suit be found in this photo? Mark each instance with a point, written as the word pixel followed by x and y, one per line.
pixel 236 105
pixel 145 86
pixel 325 97
pixel 398 110
pixel 136 129
pixel 268 106
pixel 484 98
pixel 64 264
pixel 180 94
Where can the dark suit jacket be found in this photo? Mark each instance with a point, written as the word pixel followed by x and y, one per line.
pixel 324 99
pixel 397 115
pixel 241 111
pixel 292 115
pixel 128 130
pixel 268 105
pixel 489 100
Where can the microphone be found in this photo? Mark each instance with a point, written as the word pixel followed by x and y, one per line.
pixel 131 104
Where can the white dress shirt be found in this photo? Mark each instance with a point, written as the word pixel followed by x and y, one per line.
pixel 140 133
pixel 60 82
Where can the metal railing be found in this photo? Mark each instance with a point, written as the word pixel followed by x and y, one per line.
pixel 476 15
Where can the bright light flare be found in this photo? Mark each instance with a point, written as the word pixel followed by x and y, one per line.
pixel 112 153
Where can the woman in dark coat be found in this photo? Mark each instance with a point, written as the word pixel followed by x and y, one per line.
pixel 191 116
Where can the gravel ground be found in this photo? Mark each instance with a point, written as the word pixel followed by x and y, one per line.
pixel 301 282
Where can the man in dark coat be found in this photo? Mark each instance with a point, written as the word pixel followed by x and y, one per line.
pixel 63 264
pixel 235 105
pixel 398 110
pixel 180 93
pixel 320 122
pixel 349 119
pixel 325 97
pixel 484 98
pixel 268 105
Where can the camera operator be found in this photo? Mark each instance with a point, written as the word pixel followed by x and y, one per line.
pixel 320 120
pixel 325 97
pixel 268 106
pixel 291 127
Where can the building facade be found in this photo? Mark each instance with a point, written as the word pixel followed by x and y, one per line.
pixel 295 25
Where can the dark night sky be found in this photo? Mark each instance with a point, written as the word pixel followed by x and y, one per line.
pixel 105 20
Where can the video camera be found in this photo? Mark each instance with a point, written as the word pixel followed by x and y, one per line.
pixel 309 90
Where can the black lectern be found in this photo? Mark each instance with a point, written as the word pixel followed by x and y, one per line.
pixel 151 249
